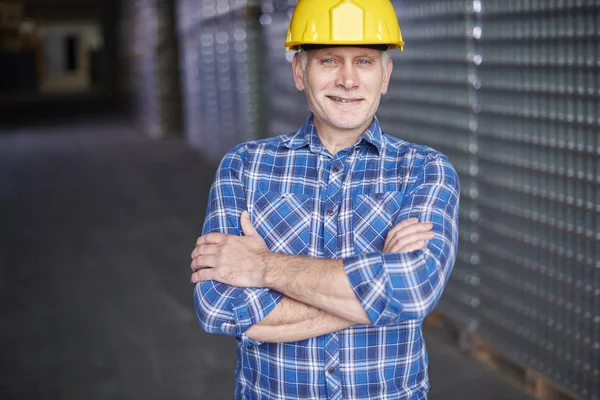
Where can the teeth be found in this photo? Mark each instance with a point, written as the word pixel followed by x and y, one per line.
pixel 342 100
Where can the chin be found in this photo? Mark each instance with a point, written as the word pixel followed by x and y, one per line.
pixel 347 125
pixel 350 123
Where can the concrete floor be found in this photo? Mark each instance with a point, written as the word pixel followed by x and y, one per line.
pixel 96 226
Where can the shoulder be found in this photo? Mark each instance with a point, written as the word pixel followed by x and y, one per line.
pixel 424 161
pixel 246 152
pixel 402 148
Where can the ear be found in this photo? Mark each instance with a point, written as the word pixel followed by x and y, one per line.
pixel 387 76
pixel 298 72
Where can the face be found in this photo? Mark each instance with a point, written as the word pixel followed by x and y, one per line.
pixel 343 85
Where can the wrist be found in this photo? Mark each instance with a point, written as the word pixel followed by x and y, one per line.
pixel 273 274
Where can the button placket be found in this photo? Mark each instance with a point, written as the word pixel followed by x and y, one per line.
pixel 332 373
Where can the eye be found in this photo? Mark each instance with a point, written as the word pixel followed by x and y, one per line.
pixel 327 61
pixel 364 62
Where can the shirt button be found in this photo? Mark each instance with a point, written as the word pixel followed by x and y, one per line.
pixel 336 170
pixel 331 370
pixel 330 212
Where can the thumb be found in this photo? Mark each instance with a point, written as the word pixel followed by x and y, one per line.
pixel 247 226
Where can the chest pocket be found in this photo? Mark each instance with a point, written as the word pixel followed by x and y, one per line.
pixel 373 216
pixel 283 220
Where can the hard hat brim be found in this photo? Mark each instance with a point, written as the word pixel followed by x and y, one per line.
pixel 309 47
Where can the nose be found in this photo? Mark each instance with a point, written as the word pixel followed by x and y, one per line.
pixel 347 77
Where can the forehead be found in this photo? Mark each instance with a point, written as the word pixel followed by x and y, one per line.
pixel 345 51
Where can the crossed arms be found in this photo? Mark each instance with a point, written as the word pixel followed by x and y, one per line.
pixel 247 291
pixel 318 296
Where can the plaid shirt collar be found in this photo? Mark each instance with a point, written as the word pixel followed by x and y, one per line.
pixel 307 135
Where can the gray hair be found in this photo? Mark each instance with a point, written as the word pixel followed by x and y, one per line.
pixel 304 59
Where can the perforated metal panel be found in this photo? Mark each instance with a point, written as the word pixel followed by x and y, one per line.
pixel 148 34
pixel 538 135
pixel 141 38
pixel 223 68
pixel 287 106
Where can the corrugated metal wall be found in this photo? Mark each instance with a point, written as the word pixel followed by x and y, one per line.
pixel 510 91
pixel 140 35
pixel 150 55
pixel 224 73
pixel 287 106
pixel 539 184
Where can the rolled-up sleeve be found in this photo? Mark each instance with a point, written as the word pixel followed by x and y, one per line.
pixel 394 287
pixel 221 308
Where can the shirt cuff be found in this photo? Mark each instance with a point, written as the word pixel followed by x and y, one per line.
pixel 371 283
pixel 251 308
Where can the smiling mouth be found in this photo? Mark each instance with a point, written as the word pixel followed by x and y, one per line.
pixel 344 101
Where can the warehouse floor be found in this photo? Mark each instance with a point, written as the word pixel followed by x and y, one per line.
pixel 97 224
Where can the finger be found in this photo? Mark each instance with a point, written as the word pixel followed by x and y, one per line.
pixel 399 244
pixel 398 228
pixel 204 261
pixel 403 241
pixel 213 237
pixel 204 249
pixel 414 246
pixel 403 224
pixel 205 274
pixel 406 229
pixel 412 229
pixel 196 251
pixel 247 226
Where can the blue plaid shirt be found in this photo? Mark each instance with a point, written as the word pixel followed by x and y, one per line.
pixel 304 201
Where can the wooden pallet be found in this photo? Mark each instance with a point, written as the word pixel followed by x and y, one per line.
pixel 434 318
pixel 534 383
pixel 514 371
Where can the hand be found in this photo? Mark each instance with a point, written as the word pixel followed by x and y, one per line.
pixel 234 260
pixel 409 235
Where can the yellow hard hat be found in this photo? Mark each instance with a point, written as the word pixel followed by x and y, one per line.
pixel 344 22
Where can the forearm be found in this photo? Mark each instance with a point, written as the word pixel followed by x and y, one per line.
pixel 292 321
pixel 320 283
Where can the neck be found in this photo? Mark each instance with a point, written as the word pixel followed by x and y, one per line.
pixel 336 139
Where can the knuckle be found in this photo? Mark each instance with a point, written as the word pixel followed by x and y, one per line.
pixel 403 223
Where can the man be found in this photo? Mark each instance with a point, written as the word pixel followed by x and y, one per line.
pixel 349 235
